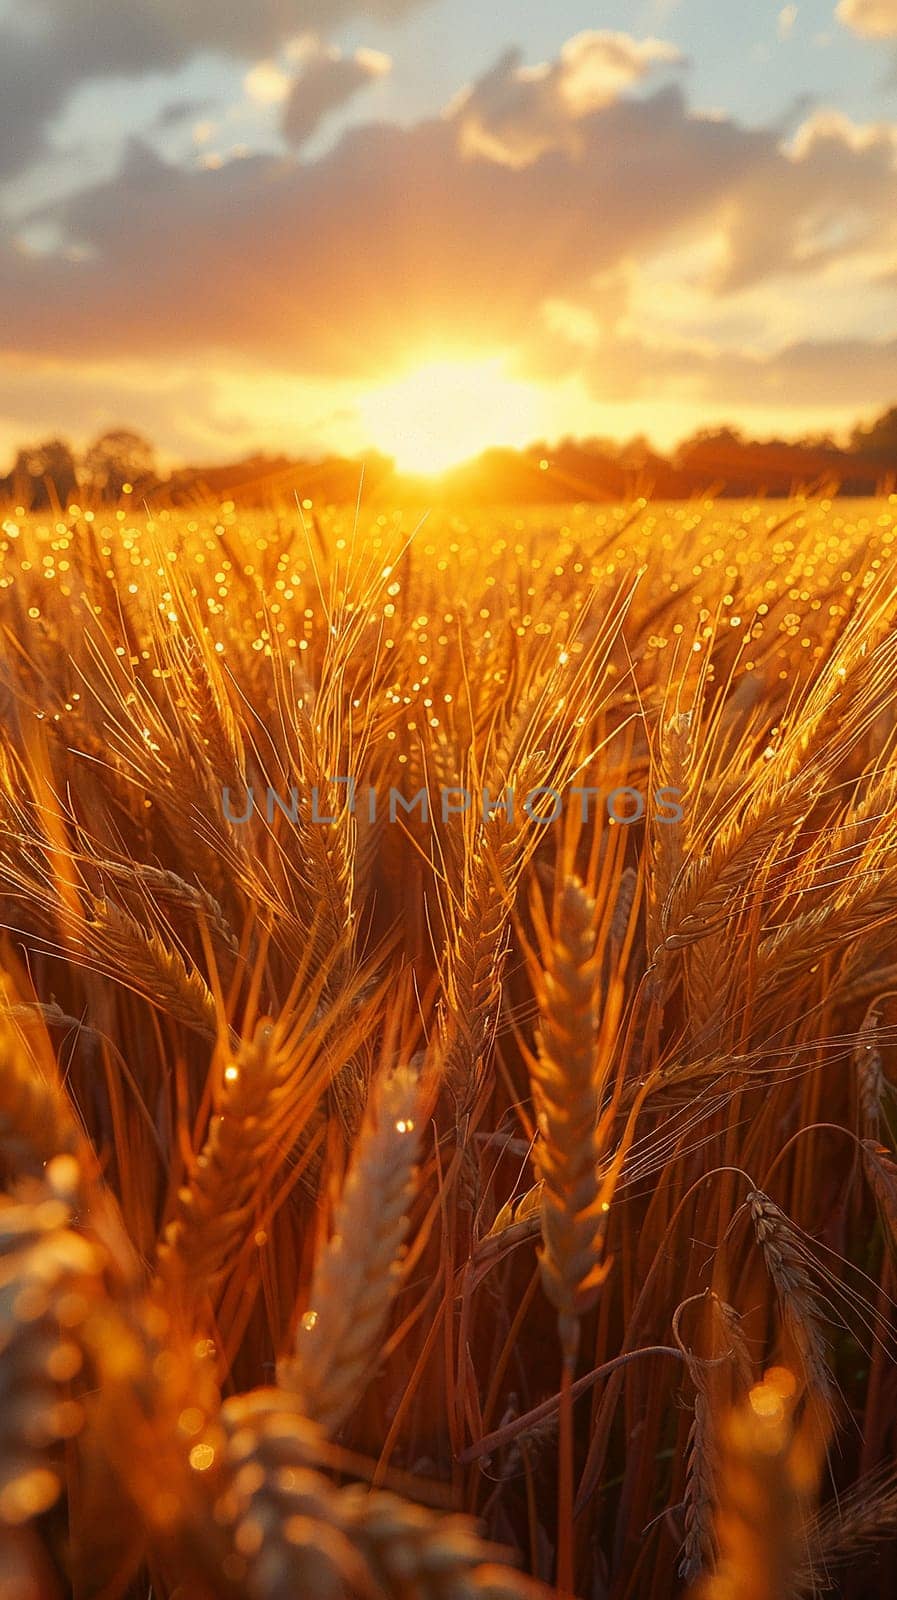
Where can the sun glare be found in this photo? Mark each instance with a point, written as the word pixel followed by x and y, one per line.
pixel 443 412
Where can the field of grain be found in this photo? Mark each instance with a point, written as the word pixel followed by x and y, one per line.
pixel 448 1199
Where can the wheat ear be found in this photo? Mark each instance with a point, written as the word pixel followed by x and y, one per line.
pixel 568 1093
pixel 880 1169
pixel 171 889
pixel 157 970
pixel 798 1302
pixel 666 843
pixel 867 1064
pixel 214 1207
pixel 708 887
pixel 87 1385
pixel 49 1278
pixel 356 1273
pixel 478 939
pixel 36 1123
pixel 295 1534
pixel 866 1515
pixel 215 729
pixel 699 1546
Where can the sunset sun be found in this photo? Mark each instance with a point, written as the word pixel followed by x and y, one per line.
pixel 444 411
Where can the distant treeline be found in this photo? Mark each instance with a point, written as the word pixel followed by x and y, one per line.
pixel 719 461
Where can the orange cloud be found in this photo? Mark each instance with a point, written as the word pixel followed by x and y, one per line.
pixel 400 238
pixel 408 244
pixel 395 238
pixel 517 113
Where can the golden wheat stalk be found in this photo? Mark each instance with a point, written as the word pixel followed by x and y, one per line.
pixel 49 1278
pixel 169 888
pixel 294 1533
pixel 478 936
pixel 216 1205
pixel 475 960
pixel 215 730
pixel 868 899
pixel 701 1468
pixel 802 1317
pixel 358 1270
pixel 867 1065
pixel 568 1082
pixel 329 849
pixel 719 1372
pixel 667 841
pixel 36 1122
pixel 140 958
pixel 706 887
pixel 89 1383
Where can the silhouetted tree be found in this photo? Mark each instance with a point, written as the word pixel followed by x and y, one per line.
pixel 116 458
pixel 879 440
pixel 44 475
pixel 817 441
pixel 706 441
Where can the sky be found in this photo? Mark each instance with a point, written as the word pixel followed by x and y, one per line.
pixel 426 226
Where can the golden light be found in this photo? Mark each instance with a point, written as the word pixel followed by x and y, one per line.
pixel 445 411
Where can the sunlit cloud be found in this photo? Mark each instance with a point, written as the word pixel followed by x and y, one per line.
pixel 517 113
pixel 405 218
pixel 376 63
pixel 267 83
pixel 877 19
pixel 833 128
pixel 573 231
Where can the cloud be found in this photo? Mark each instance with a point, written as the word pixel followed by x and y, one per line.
pixel 854 372
pixel 843 374
pixel 34 82
pixel 326 82
pixel 81 402
pixel 876 19
pixel 396 237
pixel 516 113
pixel 405 244
pixel 49 47
pixel 831 194
pixel 180 111
pixel 401 237
pixel 267 84
pixel 162 32
pixel 786 20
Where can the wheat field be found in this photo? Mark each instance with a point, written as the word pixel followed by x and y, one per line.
pixel 448 1199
